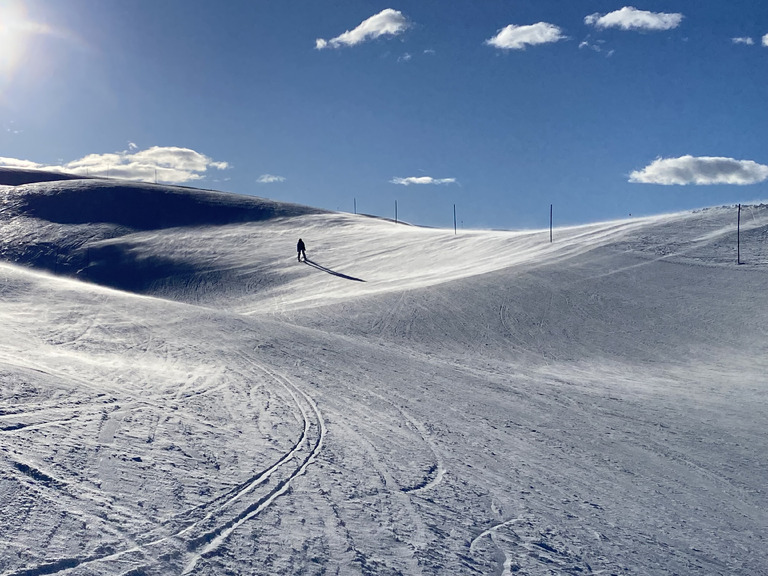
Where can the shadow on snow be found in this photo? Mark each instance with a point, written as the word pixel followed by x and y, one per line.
pixel 329 271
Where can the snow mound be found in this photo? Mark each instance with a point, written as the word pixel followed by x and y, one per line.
pixel 84 227
pixel 238 252
pixel 140 206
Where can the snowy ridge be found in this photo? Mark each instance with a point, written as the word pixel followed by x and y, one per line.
pixel 485 402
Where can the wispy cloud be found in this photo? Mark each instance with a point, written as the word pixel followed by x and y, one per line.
pixel 422 180
pixel 518 37
pixel 630 18
pixel 167 164
pixel 702 170
pixel 597 46
pixel 388 22
pixel 270 179
pixel 743 40
pixel 765 40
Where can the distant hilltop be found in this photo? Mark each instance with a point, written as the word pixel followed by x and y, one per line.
pixel 70 199
pixel 19 176
pixel 85 227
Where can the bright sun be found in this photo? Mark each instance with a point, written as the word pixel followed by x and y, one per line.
pixel 16 30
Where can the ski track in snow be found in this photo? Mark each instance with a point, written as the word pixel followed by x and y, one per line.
pixel 218 535
pixel 490 532
pixel 438 468
pixel 222 517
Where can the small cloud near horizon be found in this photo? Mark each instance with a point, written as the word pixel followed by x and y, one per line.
pixel 700 171
pixel 514 37
pixel 18 163
pixel 270 178
pixel 743 40
pixel 168 164
pixel 388 22
pixel 630 18
pixel 422 180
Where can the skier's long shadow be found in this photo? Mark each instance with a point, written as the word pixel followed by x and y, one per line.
pixel 324 269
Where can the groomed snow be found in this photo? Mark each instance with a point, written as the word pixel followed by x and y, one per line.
pixel 187 398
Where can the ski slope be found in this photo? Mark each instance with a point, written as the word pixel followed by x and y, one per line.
pixel 179 395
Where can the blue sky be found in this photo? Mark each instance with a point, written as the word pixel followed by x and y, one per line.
pixel 500 107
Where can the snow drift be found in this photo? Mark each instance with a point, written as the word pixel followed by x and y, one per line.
pixel 409 402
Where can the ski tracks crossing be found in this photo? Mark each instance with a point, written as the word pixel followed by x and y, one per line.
pixel 185 547
pixel 286 470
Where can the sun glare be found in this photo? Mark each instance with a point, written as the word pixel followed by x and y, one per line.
pixel 12 35
pixel 17 31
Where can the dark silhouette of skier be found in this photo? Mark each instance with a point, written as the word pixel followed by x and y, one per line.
pixel 300 250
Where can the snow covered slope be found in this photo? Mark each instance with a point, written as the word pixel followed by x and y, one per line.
pixel 179 395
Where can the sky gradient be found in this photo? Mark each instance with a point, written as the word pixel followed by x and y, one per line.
pixel 603 109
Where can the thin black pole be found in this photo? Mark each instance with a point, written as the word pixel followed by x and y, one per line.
pixel 395 211
pixel 550 223
pixel 354 201
pixel 738 237
pixel 454 219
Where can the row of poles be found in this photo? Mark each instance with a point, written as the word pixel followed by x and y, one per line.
pixel 551 220
pixel 354 200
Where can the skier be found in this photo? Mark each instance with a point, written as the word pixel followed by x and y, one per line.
pixel 300 250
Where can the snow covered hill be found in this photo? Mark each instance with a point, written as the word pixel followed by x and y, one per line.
pixel 179 395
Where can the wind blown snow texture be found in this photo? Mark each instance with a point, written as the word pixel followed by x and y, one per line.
pixel 180 396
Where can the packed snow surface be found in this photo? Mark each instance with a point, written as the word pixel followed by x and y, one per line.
pixel 180 395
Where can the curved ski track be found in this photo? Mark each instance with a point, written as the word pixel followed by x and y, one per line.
pixel 314 427
pixel 225 513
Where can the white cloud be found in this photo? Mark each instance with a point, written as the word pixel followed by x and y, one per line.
pixel 422 180
pixel 388 22
pixel 701 170
pixel 132 146
pixel 743 40
pixel 517 37
pixel 165 164
pixel 16 163
pixel 179 158
pixel 765 40
pixel 269 179
pixel 630 18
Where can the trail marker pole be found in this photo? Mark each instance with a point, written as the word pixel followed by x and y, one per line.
pixel 550 223
pixel 454 219
pixel 354 203
pixel 738 237
pixel 395 211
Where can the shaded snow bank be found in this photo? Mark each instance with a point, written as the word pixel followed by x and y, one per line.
pixel 84 227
